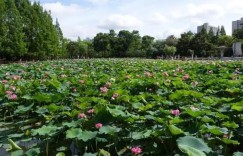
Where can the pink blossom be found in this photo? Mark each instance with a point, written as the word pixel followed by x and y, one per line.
pixel 90 111
pixel 81 81
pixel 74 90
pixel 16 77
pixel 103 89
pixel 185 77
pixel 12 97
pixel 165 74
pixel 8 92
pixel 4 81
pixel 174 74
pixel 150 90
pixel 147 74
pixel 115 96
pixel 136 150
pixel 82 115
pixel 175 112
pixel 107 85
pixel 98 125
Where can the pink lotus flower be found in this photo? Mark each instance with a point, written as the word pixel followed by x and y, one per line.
pixel 12 97
pixel 98 125
pixel 103 89
pixel 114 96
pixel 16 77
pixel 185 77
pixel 82 115
pixel 136 150
pixel 8 92
pixel 81 81
pixel 4 81
pixel 147 74
pixel 165 74
pixel 90 111
pixel 107 85
pixel 175 112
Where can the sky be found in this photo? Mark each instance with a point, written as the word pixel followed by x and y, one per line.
pixel 157 18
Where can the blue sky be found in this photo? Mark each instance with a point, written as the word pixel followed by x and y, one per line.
pixel 158 18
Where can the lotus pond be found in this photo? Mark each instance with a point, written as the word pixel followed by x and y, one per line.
pixel 121 107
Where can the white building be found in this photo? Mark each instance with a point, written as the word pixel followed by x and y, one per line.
pixel 207 27
pixel 237 25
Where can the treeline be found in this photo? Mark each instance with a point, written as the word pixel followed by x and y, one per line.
pixel 132 44
pixel 27 32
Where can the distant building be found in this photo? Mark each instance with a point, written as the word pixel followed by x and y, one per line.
pixel 207 27
pixel 237 25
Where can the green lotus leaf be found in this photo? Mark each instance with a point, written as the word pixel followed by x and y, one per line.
pixel 104 153
pixel 43 97
pixel 229 141
pixel 108 130
pixel 89 154
pixel 45 130
pixel 73 133
pixel 141 135
pixel 32 152
pixel 175 130
pixel 238 154
pixel 230 124
pixel 23 109
pixel 76 133
pixel 193 146
pixel 60 154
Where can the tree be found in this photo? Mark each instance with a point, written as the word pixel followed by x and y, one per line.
pixel 171 40
pixel 238 34
pixel 102 44
pixel 222 31
pixel 185 43
pixel 169 50
pixel 13 45
pixel 73 49
pixel 147 43
pixel 158 48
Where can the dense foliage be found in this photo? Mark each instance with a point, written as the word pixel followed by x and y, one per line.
pixel 27 32
pixel 122 107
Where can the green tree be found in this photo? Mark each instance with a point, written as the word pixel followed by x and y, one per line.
pixel 171 40
pixel 147 44
pixel 13 45
pixel 169 50
pixel 222 31
pixel 238 34
pixel 184 43
pixel 102 44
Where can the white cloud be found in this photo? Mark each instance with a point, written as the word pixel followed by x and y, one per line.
pixel 98 2
pixel 118 21
pixel 63 11
pixel 86 18
pixel 158 18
